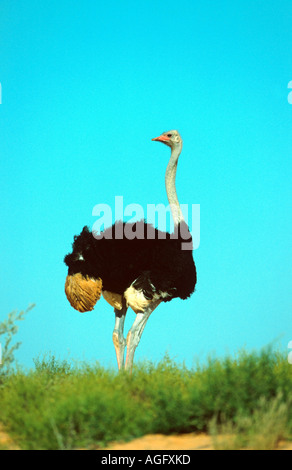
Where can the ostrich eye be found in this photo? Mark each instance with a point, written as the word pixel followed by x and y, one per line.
pixel 169 135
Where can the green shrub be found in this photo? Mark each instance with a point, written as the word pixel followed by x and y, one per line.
pixel 8 328
pixel 59 405
pixel 262 429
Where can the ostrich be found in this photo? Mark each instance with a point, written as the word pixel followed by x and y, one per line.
pixel 138 272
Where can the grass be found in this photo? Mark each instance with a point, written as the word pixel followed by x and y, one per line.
pixel 59 405
pixel 261 430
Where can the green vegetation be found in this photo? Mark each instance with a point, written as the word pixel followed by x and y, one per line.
pixel 260 430
pixel 9 328
pixel 59 405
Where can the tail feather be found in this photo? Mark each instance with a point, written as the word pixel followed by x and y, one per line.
pixel 82 292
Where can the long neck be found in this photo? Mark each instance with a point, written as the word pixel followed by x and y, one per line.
pixel 170 186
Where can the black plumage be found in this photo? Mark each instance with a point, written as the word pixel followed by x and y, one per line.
pixel 152 261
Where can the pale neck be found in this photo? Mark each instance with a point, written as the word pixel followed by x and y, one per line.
pixel 170 186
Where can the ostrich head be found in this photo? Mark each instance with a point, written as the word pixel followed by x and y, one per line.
pixel 170 138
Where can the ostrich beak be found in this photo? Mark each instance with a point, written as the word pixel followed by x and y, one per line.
pixel 161 138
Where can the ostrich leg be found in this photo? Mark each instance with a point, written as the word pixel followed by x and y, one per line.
pixel 136 331
pixel 118 335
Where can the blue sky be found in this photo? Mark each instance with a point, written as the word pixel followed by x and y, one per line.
pixel 85 86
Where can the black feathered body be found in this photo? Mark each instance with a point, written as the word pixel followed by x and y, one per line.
pixel 152 261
